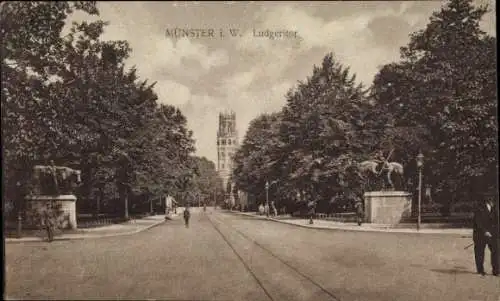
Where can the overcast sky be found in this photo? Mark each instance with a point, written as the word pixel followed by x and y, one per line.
pixel 248 74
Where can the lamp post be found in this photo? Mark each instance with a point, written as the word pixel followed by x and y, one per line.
pixel 267 194
pixel 420 164
pixel 19 224
pixel 314 194
pixel 267 198
pixel 19 215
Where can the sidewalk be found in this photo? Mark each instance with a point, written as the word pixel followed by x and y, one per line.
pixel 128 228
pixel 322 224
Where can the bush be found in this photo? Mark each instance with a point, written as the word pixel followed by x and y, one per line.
pixel 432 208
pixel 462 207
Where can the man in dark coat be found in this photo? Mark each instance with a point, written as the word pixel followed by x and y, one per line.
pixel 359 212
pixel 187 215
pixel 49 224
pixel 311 207
pixel 486 233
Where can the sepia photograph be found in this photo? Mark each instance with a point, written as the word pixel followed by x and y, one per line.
pixel 250 150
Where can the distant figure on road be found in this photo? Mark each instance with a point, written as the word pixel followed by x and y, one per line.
pixel 311 207
pixel 204 207
pixel 48 222
pixel 187 215
pixel 486 233
pixel 261 209
pixel 273 206
pixel 359 212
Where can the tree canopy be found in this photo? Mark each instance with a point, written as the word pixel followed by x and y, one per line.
pixel 445 84
pixel 439 99
pixel 69 97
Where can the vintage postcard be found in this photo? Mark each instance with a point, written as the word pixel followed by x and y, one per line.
pixel 250 150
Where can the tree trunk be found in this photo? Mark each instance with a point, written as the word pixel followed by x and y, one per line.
pixel 125 199
pixel 98 202
pixel 88 170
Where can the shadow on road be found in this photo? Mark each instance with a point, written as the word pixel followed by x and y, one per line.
pixel 246 217
pixel 452 271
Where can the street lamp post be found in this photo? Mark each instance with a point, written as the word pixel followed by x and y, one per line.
pixel 19 216
pixel 315 179
pixel 267 198
pixel 19 224
pixel 267 194
pixel 420 164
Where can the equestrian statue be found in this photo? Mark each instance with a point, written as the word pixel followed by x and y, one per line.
pixel 370 167
pixel 54 180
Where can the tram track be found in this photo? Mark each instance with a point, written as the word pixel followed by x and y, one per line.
pixel 217 223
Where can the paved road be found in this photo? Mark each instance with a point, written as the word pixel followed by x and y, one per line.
pixel 231 257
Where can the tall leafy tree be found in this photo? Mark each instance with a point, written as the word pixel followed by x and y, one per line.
pixel 70 98
pixel 257 160
pixel 321 129
pixel 31 47
pixel 165 145
pixel 313 145
pixel 445 85
pixel 207 184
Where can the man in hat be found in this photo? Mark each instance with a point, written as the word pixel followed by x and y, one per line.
pixel 359 212
pixel 486 233
pixel 187 215
pixel 49 224
pixel 311 207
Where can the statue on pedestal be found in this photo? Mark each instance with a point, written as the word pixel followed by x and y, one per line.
pixel 371 167
pixel 382 205
pixel 54 180
pixel 52 190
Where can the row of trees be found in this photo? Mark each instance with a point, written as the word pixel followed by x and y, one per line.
pixel 70 98
pixel 206 185
pixel 439 99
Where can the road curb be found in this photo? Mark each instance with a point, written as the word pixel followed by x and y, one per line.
pixel 341 228
pixel 36 239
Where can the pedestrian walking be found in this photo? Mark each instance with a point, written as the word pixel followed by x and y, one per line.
pixel 359 212
pixel 187 215
pixel 275 211
pixel 48 223
pixel 311 205
pixel 486 233
pixel 261 209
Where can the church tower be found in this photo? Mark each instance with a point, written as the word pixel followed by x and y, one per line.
pixel 227 144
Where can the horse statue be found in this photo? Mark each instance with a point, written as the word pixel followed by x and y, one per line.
pixel 54 180
pixel 393 167
pixel 370 167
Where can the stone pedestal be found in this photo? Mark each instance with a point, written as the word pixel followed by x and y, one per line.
pixel 387 207
pixel 38 203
